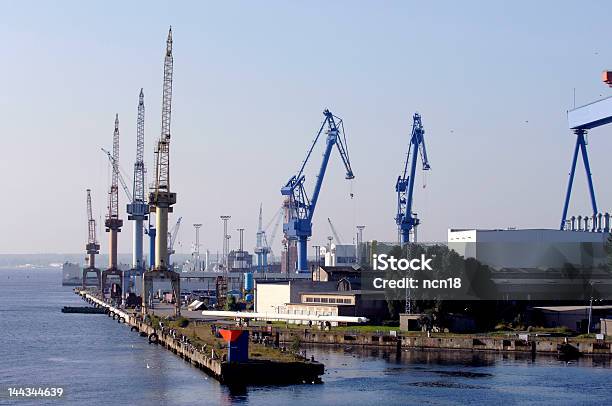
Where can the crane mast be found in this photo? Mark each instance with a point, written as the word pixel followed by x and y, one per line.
pixel 138 208
pixel 139 166
pixel 301 208
pixel 406 220
pixel 113 223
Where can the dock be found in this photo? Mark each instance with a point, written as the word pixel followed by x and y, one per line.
pixel 252 372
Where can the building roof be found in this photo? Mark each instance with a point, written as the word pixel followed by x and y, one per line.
pixel 571 308
pixel 270 281
pixel 340 269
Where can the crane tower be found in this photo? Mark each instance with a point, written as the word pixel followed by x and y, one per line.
pixel 138 208
pixel 406 220
pixel 113 223
pixel 93 247
pixel 161 198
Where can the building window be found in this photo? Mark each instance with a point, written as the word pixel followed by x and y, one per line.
pixel 324 300
pixel 316 299
pixel 309 300
pixel 332 300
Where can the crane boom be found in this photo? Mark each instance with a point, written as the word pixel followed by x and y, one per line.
pixel 334 232
pixel 173 234
pixel 405 219
pixel 124 185
pixel 301 207
pixel 278 216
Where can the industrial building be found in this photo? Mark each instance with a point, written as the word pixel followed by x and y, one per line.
pixel 575 318
pixel 528 248
pixel 309 298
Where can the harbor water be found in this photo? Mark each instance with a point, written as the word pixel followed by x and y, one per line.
pixel 98 361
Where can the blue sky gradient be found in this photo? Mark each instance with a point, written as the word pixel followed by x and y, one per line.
pixel 491 81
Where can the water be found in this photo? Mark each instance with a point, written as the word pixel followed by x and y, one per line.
pixel 98 361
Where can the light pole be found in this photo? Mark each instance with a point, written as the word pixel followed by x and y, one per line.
pixel 225 243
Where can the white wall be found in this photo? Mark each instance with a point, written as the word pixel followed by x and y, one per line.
pixel 270 296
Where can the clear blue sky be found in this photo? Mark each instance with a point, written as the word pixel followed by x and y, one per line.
pixel 492 82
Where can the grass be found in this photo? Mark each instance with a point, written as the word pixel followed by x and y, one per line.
pixel 366 329
pixel 201 334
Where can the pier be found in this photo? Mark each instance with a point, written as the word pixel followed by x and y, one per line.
pixel 252 372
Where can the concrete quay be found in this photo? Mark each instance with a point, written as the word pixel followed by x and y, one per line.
pixel 253 372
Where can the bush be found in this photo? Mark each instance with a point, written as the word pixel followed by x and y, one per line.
pixel 296 344
pixel 182 322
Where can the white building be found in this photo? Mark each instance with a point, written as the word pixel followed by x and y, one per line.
pixel 529 248
pixel 271 296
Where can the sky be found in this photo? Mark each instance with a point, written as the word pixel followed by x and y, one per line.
pixel 492 81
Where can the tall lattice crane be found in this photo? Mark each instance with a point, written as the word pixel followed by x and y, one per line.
pixel 301 208
pixel 113 223
pixel 138 208
pixel 92 247
pixel 160 198
pixel 406 220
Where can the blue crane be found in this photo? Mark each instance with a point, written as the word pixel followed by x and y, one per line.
pixel 405 219
pixel 301 208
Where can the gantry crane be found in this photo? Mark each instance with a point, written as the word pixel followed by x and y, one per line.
pixel 93 247
pixel 113 223
pixel 300 207
pixel 406 220
pixel 161 199
pixel 138 208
